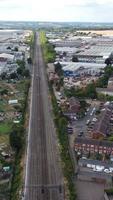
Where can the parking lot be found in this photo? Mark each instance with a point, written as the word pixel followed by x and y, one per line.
pixel 81 124
pixel 90 190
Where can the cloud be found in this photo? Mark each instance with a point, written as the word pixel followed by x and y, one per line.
pixel 60 10
pixel 52 3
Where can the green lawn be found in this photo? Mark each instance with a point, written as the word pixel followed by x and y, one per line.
pixel 5 128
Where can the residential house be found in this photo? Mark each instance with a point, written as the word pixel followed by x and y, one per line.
pixel 87 145
pixel 102 126
pixel 73 107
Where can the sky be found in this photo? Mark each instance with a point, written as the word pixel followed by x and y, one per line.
pixel 57 10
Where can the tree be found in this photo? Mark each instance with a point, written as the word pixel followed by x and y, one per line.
pixel 58 69
pixel 111 56
pixel 83 104
pixel 91 91
pixel 75 59
pixel 19 70
pixel 108 61
pixel 21 63
pixel 13 75
pixel 17 138
pixel 64 54
pixel 29 60
pixel 3 75
pixel 4 91
pixel 16 49
pixel 8 47
pixel 103 81
pixel 101 96
pixel 26 73
pixel 108 71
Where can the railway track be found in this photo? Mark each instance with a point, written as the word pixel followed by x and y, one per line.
pixel 44 179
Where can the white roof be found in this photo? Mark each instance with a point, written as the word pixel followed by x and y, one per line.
pixel 76 65
pixel 97 50
pixel 13 101
pixel 6 55
pixel 66 49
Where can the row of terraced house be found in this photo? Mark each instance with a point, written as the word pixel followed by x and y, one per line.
pixel 93 146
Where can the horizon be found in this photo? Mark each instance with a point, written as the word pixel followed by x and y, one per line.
pixel 36 21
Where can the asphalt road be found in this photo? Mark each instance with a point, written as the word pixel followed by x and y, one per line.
pixel 44 179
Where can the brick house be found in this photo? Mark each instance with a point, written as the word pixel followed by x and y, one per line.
pixel 93 146
pixel 73 107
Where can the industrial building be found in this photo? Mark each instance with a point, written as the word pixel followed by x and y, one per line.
pixel 95 53
pixel 69 50
pixel 78 68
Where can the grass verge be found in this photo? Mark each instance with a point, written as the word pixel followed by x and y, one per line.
pixel 48 49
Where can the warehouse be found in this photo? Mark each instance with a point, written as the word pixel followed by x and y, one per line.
pixel 78 68
pixel 95 53
pixel 8 57
pixel 70 50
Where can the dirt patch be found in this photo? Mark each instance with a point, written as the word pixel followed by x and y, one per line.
pixel 103 32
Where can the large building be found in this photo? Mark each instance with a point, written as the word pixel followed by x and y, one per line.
pixel 69 50
pixel 6 57
pixel 81 69
pixel 69 43
pixel 95 53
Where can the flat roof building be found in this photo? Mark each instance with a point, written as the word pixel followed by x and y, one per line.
pixel 95 53
pixel 78 68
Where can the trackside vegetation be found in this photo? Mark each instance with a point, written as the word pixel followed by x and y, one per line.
pixel 17 141
pixel 18 133
pixel 61 126
pixel 109 191
pixel 48 49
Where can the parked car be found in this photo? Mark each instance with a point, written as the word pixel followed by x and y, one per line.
pixel 80 133
pixel 107 171
pixel 97 169
pixel 83 157
pixel 94 120
pixel 88 121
